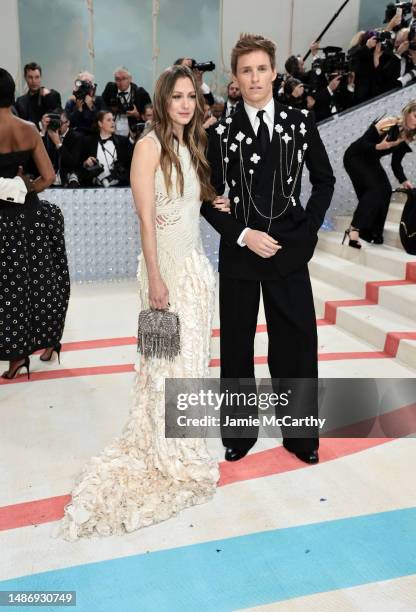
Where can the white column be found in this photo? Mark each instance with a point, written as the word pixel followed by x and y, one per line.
pixel 10 41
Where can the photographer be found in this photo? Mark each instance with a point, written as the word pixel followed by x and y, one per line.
pixel 368 54
pixel 107 156
pixel 198 69
pixel 39 100
pixel 362 161
pixel 126 100
pixel 83 105
pixel 294 94
pixel 64 148
pixel 400 70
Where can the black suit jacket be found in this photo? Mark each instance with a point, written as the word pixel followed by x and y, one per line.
pixel 32 108
pixel 261 184
pixel 67 158
pixel 139 97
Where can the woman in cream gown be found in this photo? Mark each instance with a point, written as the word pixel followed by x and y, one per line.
pixel 142 477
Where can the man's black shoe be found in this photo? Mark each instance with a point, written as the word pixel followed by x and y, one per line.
pixel 306 456
pixel 234 454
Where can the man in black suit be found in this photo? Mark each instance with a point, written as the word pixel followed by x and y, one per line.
pixel 126 101
pixel 64 146
pixel 269 237
pixel 38 100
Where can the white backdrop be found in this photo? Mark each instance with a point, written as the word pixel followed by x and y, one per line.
pixel 272 18
pixel 9 38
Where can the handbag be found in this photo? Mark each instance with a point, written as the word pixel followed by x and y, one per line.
pixel 158 334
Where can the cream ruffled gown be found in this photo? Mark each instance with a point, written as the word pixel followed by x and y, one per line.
pixel 142 477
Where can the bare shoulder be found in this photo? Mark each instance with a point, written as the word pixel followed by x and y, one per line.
pixel 27 131
pixel 147 150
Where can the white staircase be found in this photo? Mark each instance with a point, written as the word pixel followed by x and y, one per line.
pixel 342 273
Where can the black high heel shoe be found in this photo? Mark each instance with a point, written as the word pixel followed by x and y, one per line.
pixel 352 243
pixel 56 349
pixel 10 374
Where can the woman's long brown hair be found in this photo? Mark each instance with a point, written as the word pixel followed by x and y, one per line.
pixel 410 107
pixel 194 134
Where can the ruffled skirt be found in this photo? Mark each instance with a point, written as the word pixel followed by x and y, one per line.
pixel 143 478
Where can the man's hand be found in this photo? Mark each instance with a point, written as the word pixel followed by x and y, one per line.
pixel 298 91
pixel 90 161
pixel 334 83
pixel 407 185
pixel 79 104
pixel 45 121
pixel 310 102
pixel 222 204
pixel 89 101
pixel 133 113
pixel 54 137
pixel 44 91
pixel 314 48
pixel 261 243
pixel 403 47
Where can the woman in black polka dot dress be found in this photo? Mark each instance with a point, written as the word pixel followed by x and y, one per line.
pixel 34 279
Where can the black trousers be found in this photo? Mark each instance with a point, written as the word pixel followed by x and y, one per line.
pixel 373 190
pixel 291 325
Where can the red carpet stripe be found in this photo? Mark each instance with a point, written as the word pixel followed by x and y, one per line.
pixel 391 345
pixel 256 465
pixel 129 367
pixel 396 424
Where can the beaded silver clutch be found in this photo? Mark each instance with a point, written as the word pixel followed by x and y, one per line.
pixel 158 334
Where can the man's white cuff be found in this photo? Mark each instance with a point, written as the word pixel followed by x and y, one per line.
pixel 240 240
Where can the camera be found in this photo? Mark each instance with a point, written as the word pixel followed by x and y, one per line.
pixel 334 62
pixel 118 173
pixel 83 89
pixel 392 8
pixel 386 39
pixel 120 104
pixel 95 169
pixel 55 121
pixel 203 66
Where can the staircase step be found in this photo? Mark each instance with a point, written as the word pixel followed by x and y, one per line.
pixel 348 275
pixel 354 279
pixel 385 258
pixel 370 323
pixel 395 212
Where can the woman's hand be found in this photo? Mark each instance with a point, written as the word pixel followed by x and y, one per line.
pixel 158 294
pixel 222 204
pixel 385 144
pixel 407 185
pixel 26 179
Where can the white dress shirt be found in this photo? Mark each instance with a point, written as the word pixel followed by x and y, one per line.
pixel 122 121
pixel 268 117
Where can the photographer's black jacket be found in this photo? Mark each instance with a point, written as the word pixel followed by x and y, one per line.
pixel 234 156
pixel 67 158
pixel 139 97
pixel 32 107
pixel 364 149
pixel 83 120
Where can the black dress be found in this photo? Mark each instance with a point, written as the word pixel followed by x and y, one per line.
pixel 34 278
pixel 370 180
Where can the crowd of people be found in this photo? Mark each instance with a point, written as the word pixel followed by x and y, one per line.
pixel 90 138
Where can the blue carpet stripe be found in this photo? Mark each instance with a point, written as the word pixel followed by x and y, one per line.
pixel 243 571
